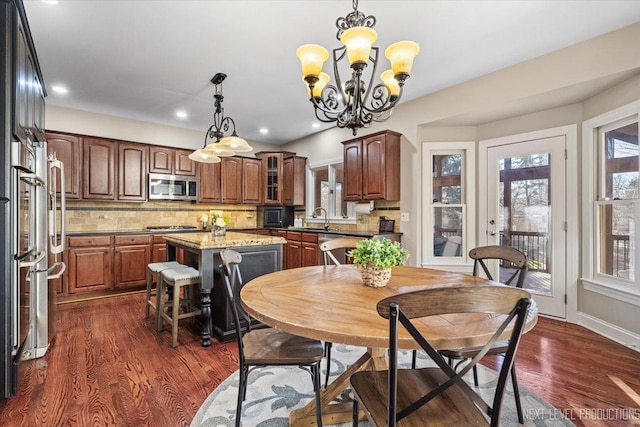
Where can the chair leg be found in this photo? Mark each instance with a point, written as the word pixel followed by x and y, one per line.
pixel 175 315
pixel 414 359
pixel 242 391
pixel 315 372
pixel 148 295
pixel 355 413
pixel 327 356
pixel 160 291
pixel 516 394
pixel 475 375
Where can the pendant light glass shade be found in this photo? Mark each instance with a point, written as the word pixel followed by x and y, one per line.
pixel 323 79
pixel 235 143
pixel 401 55
pixel 390 82
pixel 312 57
pixel 216 149
pixel 358 41
pixel 201 156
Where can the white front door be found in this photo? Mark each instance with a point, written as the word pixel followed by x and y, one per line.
pixel 526 209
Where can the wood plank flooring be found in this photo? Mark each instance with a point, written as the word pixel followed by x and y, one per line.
pixel 108 367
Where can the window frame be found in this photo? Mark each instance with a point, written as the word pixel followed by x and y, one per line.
pixel 468 204
pixel 332 215
pixel 593 197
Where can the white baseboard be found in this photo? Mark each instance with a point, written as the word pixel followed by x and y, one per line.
pixel 608 330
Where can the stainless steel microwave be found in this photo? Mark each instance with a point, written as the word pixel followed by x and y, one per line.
pixel 172 187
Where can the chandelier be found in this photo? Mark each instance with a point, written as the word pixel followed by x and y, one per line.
pixel 356 103
pixel 223 145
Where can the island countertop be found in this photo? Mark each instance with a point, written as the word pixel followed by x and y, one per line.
pixel 205 240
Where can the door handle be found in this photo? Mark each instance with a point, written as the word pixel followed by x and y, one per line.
pixel 492 227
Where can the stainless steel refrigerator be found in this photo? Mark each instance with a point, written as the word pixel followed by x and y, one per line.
pixel 31 210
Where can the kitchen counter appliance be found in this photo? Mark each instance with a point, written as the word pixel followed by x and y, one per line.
pixel 277 216
pixel 31 213
pixel 172 187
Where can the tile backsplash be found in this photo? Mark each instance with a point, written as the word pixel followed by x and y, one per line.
pixel 83 216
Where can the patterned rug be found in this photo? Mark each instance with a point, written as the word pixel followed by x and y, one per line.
pixel 273 392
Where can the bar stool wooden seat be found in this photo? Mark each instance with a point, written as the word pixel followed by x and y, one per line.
pixel 178 279
pixel 153 270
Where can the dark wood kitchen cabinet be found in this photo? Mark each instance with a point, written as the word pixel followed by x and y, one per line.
pixel 372 167
pixel 99 169
pixel 171 161
pixel 283 178
pixel 158 249
pixel 132 171
pixel 301 249
pixel 132 254
pixel 293 180
pixel 68 149
pixel 209 190
pixel 90 264
pixel 231 180
pixel 251 181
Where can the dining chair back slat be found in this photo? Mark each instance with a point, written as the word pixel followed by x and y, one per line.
pixel 451 400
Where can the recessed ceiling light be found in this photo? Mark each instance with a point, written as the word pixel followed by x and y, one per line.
pixel 60 89
pixel 181 114
pixel 264 131
pixel 50 1
pixel 315 125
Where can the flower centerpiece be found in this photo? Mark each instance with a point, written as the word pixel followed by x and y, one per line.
pixel 375 257
pixel 219 224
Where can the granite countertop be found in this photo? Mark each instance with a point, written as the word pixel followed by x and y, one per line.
pixel 204 240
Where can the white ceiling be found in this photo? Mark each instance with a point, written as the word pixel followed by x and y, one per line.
pixel 145 59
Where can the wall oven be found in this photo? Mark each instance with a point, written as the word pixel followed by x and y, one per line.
pixel 172 187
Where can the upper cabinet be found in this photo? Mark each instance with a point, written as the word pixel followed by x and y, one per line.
pixel 251 181
pixel 99 169
pixel 171 161
pixel 114 170
pixel 209 183
pixel 28 92
pixel 293 180
pixel 68 149
pixel 283 176
pixel 372 167
pixel 132 171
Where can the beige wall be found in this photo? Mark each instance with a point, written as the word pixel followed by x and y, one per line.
pixel 511 101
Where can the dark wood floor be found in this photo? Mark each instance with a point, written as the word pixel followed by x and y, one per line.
pixel 108 367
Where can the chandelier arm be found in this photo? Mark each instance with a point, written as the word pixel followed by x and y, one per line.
pixel 337 57
pixel 388 104
pixel 326 101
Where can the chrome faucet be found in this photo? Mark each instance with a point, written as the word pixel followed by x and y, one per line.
pixel 326 220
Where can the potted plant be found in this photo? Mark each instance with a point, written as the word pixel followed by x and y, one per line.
pixel 375 257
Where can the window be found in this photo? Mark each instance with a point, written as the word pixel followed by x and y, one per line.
pixel 448 232
pixel 611 170
pixel 325 190
pixel 618 198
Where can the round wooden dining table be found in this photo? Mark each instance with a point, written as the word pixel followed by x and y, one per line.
pixel 330 303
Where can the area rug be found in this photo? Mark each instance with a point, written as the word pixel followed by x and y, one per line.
pixel 273 392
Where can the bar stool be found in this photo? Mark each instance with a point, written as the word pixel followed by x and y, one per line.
pixel 177 278
pixel 153 270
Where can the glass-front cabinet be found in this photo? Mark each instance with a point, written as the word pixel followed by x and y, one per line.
pixel 283 176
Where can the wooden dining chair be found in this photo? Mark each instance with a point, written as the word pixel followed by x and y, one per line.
pixel 510 259
pixel 329 258
pixel 266 347
pixel 439 396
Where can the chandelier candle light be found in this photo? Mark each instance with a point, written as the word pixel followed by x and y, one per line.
pixel 354 103
pixel 223 145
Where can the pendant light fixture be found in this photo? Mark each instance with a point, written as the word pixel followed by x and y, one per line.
pixel 223 145
pixel 356 103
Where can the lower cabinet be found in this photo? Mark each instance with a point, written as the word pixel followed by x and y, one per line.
pixel 90 264
pixel 132 253
pixel 301 250
pixel 158 249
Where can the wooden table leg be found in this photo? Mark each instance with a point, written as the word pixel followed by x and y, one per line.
pixel 374 358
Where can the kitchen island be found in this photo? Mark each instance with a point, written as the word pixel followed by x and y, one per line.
pixel 260 255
